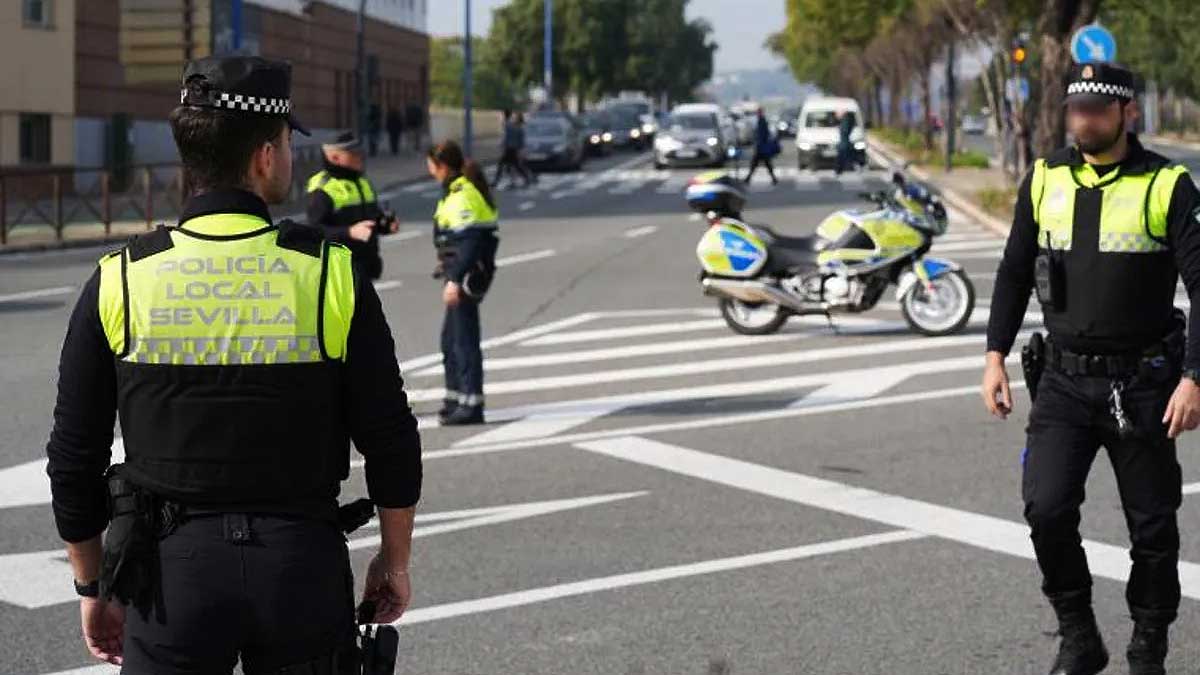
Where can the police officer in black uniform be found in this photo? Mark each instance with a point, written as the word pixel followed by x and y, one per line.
pixel 344 204
pixel 242 355
pixel 1102 231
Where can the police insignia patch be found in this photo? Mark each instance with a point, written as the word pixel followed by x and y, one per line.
pixel 1088 72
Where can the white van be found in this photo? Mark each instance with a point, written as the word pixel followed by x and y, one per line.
pixel 817 132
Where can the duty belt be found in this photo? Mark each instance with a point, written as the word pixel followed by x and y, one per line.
pixel 1108 365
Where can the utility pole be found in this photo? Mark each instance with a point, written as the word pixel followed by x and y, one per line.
pixel 360 74
pixel 468 126
pixel 548 52
pixel 951 95
pixel 235 21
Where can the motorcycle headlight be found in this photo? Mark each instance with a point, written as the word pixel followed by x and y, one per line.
pixel 636 133
pixel 712 142
pixel 607 136
pixel 860 145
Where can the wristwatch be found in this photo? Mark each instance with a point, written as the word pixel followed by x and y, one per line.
pixel 88 590
pixel 1192 374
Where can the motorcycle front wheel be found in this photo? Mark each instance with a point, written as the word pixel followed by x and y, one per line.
pixel 943 308
pixel 752 318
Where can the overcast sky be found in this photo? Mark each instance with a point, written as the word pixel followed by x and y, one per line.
pixel 740 26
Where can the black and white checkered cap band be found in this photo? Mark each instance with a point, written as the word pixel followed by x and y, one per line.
pixel 1101 88
pixel 266 106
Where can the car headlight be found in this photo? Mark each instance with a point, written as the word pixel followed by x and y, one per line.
pixel 782 126
pixel 712 141
pixel 595 138
pixel 607 136
pixel 861 145
pixel 636 133
pixel 804 146
pixel 647 128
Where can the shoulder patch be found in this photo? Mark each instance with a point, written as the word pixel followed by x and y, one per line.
pixel 300 238
pixel 456 187
pixel 145 245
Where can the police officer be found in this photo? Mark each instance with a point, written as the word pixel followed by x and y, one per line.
pixel 242 355
pixel 1102 231
pixel 342 201
pixel 465 226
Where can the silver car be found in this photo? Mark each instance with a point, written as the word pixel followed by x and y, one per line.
pixel 690 139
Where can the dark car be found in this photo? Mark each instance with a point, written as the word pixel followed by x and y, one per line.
pixel 627 128
pixel 785 122
pixel 554 141
pixel 597 132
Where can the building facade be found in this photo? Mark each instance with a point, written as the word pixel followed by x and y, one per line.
pixel 37 39
pixel 129 54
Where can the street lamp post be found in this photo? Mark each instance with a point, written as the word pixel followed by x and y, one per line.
pixel 468 126
pixel 548 52
pixel 360 74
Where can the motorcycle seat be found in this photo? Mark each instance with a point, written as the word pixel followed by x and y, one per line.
pixel 791 252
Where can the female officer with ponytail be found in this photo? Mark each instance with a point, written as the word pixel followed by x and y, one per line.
pixel 465 227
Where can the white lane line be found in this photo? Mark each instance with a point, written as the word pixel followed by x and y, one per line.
pixel 627 332
pixel 424 360
pixel 694 218
pixel 525 206
pixel 494 515
pixel 40 293
pixel 1191 489
pixel 388 285
pixel 618 581
pixel 391 239
pixel 26 484
pixel 650 349
pixel 737 363
pixel 982 255
pixel 641 231
pixel 525 257
pixel 993 245
pixel 415 187
pixel 974 529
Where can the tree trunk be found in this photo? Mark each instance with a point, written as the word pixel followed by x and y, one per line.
pixel 1059 20
pixel 926 106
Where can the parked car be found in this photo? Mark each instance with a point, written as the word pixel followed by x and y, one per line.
pixel 973 125
pixel 817 132
pixel 597 130
pixel 691 137
pixel 554 141
pixel 744 125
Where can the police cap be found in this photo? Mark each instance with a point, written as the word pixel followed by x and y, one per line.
pixel 1102 82
pixel 250 85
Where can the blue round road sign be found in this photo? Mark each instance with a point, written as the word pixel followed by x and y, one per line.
pixel 1093 43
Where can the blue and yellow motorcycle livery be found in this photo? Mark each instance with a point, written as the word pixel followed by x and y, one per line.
pixel 761 277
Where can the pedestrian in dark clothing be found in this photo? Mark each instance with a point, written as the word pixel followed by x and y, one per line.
pixel 844 147
pixel 414 119
pixel 395 125
pixel 510 148
pixel 765 147
pixel 374 125
pixel 522 165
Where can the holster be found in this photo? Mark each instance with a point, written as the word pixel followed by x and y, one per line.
pixel 1033 363
pixel 129 569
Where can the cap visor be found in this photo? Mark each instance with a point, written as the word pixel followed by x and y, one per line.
pixel 297 127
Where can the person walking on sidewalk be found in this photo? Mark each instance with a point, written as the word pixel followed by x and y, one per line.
pixel 765 147
pixel 395 126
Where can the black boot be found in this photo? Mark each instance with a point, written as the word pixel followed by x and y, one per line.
pixel 1147 650
pixel 448 406
pixel 464 415
pixel 1081 651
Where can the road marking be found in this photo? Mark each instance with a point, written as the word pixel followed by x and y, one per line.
pixel 525 257
pixel 40 293
pixel 26 484
pixel 966 527
pixel 993 245
pixel 588 586
pixel 1191 489
pixel 626 332
pixel 392 239
pixel 641 231
pixel 982 255
pixel 492 515
pixel 525 206
pixel 422 361
pixel 415 187
pixel 388 285
pixel 737 363
pixel 650 349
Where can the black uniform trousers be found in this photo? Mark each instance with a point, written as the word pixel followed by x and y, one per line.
pixel 462 358
pixel 276 592
pixel 1070 421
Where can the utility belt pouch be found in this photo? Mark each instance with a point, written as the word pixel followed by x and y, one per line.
pixel 379 643
pixel 1049 280
pixel 1033 363
pixel 129 563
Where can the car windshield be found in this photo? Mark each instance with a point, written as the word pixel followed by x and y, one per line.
pixel 825 119
pixel 544 129
pixel 595 120
pixel 634 108
pixel 692 121
pixel 625 120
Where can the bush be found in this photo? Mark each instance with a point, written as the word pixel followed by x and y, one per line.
pixel 998 201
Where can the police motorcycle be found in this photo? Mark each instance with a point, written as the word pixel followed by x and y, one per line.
pixel 761 277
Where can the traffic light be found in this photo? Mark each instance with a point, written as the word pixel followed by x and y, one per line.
pixel 1019 54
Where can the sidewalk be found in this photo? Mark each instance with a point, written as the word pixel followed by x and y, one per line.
pixel 385 171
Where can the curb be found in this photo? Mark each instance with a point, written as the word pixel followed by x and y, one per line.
pixel 951 197
pixel 1172 142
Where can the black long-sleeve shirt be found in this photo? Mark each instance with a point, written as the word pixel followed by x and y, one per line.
pixel 375 411
pixel 1015 276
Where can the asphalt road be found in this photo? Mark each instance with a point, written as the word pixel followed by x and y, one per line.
pixel 655 494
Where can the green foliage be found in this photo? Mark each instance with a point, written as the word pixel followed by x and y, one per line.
pixel 491 87
pixel 998 202
pixel 1157 38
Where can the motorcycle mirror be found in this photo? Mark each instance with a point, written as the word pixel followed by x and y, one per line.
pixel 898 178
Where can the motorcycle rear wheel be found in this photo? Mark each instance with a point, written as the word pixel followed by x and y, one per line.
pixel 749 318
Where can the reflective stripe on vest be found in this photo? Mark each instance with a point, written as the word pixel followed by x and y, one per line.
pixel 343 192
pixel 241 300
pixel 1133 217
pixel 464 207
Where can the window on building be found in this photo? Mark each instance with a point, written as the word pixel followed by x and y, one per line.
pixel 35 138
pixel 37 13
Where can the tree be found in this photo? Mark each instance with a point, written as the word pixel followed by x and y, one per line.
pixel 1058 21
pixel 490 87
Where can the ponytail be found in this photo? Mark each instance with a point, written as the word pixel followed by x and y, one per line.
pixel 449 154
